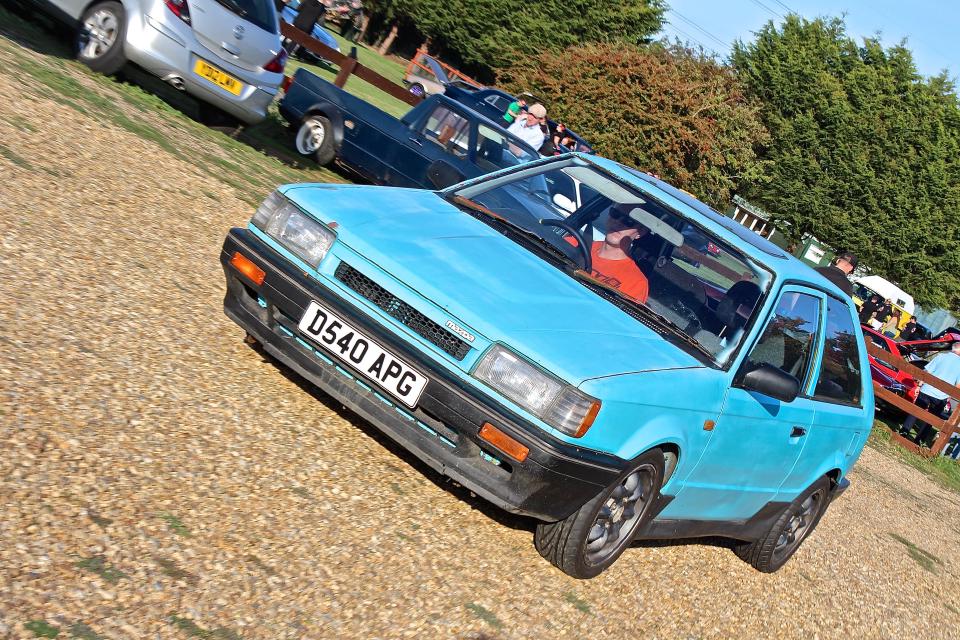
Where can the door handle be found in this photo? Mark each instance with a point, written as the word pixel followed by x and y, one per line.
pixel 229 48
pixel 416 141
pixel 797 432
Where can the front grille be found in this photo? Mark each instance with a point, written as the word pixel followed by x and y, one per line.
pixel 403 312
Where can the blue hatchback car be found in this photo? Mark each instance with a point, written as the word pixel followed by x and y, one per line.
pixel 594 370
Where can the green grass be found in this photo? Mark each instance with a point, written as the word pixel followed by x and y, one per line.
pixel 176 525
pixel 484 614
pixel 943 471
pixel 41 629
pixel 193 630
pixel 173 570
pixel 369 58
pixel 16 159
pixel 924 558
pixel 579 605
pixel 100 566
pixel 83 632
pixel 251 170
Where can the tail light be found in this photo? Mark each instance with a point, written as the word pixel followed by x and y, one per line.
pixel 285 83
pixel 278 63
pixel 180 8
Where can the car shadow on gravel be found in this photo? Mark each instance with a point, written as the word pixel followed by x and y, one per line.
pixel 504 518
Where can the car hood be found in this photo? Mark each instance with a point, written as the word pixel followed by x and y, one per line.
pixel 489 284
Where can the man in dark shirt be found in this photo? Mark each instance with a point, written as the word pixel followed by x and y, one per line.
pixel 842 266
pixel 911 330
pixel 868 308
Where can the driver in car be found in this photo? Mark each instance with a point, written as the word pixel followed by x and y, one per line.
pixel 612 264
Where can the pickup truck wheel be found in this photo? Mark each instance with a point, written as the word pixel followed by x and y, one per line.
pixel 417 89
pixel 100 37
pixel 588 541
pixel 772 551
pixel 315 138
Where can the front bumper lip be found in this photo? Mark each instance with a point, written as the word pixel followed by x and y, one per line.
pixel 556 478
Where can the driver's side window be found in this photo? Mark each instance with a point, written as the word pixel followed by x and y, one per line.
pixel 788 340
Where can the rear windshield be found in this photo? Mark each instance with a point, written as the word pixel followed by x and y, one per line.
pixel 259 12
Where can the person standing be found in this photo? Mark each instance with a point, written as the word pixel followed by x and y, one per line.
pixel 869 308
pixel 527 127
pixel 841 267
pixel 514 110
pixel 945 366
pixel 892 324
pixel 911 330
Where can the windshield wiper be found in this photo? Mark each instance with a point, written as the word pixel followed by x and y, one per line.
pixel 514 228
pixel 234 6
pixel 616 296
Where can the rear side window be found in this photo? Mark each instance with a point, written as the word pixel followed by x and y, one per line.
pixel 787 342
pixel 839 378
pixel 449 129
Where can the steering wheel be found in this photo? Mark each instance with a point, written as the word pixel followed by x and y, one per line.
pixel 573 231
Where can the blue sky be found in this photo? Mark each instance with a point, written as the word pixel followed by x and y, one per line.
pixel 930 27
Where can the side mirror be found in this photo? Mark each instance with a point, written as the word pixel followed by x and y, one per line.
pixel 564 202
pixel 442 174
pixel 771 381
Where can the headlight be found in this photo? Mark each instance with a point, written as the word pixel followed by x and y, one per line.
pixel 555 402
pixel 284 222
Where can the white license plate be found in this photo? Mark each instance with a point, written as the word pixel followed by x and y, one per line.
pixel 377 364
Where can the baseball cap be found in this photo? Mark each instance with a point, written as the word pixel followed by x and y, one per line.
pixel 538 110
pixel 849 256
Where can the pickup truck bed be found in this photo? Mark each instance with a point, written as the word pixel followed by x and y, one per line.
pixel 333 124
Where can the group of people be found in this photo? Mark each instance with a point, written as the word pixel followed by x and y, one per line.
pixel 530 124
pixel 882 316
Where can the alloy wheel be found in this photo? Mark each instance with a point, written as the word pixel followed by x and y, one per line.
pixel 101 29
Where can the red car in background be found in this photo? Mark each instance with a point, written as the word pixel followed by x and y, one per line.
pixel 916 352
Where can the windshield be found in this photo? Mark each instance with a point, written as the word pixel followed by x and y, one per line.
pixel 643 255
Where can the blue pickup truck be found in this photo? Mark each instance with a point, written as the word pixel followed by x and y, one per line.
pixel 437 143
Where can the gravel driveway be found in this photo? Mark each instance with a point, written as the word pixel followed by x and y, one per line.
pixel 161 479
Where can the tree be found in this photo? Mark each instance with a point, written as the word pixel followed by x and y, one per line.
pixel 863 151
pixel 662 108
pixel 486 35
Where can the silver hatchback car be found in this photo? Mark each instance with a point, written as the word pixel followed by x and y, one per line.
pixel 226 53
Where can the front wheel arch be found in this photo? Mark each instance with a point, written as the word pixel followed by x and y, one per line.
pixel 588 541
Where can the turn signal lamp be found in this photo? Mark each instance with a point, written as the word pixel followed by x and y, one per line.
pixel 245 266
pixel 503 442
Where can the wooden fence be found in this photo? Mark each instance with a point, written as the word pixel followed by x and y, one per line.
pixel 944 427
pixel 348 66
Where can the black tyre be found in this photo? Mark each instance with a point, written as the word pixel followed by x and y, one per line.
pixel 772 551
pixel 417 89
pixel 103 29
pixel 592 538
pixel 315 138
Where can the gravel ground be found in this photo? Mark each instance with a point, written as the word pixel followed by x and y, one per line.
pixel 160 479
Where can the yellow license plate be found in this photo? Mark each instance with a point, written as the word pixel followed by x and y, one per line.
pixel 218 77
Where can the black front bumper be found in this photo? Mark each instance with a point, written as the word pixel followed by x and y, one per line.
pixel 554 480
